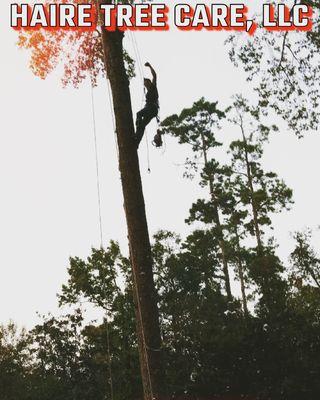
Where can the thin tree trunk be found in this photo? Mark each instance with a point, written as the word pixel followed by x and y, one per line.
pixel 253 203
pixel 243 288
pixel 241 276
pixel 221 240
pixel 110 377
pixel 138 236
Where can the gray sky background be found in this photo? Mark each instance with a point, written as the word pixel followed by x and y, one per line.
pixel 48 198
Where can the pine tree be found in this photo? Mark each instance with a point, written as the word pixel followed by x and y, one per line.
pixel 196 126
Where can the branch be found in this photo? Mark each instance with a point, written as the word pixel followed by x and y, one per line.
pixel 283 48
pixel 285 38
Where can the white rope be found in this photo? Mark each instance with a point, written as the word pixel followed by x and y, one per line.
pixel 137 54
pixel 148 152
pixel 113 120
pixel 101 230
pixel 146 357
pixel 97 165
pixel 134 276
pixel 145 352
pixel 144 343
pixel 140 69
pixel 138 62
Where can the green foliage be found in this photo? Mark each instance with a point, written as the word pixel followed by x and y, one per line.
pixel 305 261
pixel 15 359
pixel 283 69
pixel 258 192
pixel 94 279
pixel 272 353
pixel 195 125
pixel 263 343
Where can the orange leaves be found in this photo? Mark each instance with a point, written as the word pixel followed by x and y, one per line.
pixel 79 52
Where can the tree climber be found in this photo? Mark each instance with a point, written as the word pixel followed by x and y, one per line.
pixel 151 107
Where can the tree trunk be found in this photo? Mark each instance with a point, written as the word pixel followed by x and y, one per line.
pixel 219 228
pixel 241 276
pixel 253 202
pixel 138 236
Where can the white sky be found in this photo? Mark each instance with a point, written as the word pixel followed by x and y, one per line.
pixel 48 198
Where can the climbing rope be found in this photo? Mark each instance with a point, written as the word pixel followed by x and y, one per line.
pixel 137 56
pixel 148 153
pixel 97 164
pixel 138 53
pixel 144 344
pixel 140 71
pixel 113 120
pixel 145 353
pixel 101 229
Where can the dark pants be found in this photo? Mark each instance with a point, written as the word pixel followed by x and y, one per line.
pixel 144 116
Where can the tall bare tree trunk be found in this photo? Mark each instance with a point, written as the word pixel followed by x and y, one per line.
pixel 253 201
pixel 138 236
pixel 221 240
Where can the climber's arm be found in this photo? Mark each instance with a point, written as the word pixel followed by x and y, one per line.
pixel 153 72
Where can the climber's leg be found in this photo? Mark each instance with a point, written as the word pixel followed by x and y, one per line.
pixel 140 125
pixel 144 116
pixel 140 115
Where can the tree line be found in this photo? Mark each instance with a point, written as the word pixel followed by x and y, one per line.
pixel 235 320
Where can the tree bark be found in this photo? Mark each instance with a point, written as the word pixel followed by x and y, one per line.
pixel 138 236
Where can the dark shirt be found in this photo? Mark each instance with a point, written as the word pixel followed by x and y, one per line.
pixel 152 96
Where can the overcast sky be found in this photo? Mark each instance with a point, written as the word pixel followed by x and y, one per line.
pixel 47 169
